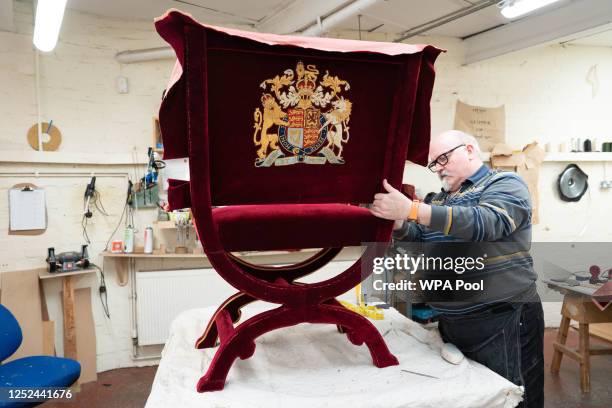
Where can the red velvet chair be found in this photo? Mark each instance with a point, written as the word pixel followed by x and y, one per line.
pixel 286 135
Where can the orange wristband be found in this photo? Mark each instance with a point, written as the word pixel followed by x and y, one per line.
pixel 414 211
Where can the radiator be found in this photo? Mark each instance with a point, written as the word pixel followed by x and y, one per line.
pixel 163 295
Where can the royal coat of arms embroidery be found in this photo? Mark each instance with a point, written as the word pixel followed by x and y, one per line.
pixel 303 121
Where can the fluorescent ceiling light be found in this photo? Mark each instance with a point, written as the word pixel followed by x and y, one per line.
pixel 49 15
pixel 517 8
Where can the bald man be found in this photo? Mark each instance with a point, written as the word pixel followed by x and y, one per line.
pixel 503 326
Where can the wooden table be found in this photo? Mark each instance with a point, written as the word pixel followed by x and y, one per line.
pixel 70 338
pixel 578 306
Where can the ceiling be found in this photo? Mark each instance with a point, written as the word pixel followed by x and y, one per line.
pixel 453 18
pixel 397 16
pixel 389 16
pixel 486 33
pixel 233 12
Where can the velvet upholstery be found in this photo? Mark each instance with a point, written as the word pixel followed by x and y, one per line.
pixel 269 227
pixel 281 195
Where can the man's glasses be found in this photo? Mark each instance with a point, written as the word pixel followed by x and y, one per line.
pixel 442 159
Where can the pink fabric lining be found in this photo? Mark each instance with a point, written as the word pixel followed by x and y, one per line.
pixel 317 43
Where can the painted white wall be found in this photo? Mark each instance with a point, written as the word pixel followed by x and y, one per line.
pixel 545 91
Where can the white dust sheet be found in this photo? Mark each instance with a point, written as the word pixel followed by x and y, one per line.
pixel 312 365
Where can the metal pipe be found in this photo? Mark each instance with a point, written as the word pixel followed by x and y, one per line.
pixel 38 120
pixel 36 174
pixel 320 26
pixel 337 17
pixel 445 19
pixel 148 54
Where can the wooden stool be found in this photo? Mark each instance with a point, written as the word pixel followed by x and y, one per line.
pixel 582 310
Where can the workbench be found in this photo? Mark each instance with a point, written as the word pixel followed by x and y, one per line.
pixel 578 306
pixel 315 365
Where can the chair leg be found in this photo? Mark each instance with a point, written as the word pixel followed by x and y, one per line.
pixel 232 306
pixel 232 345
pixel 240 341
pixel 359 330
pixel 561 339
pixel 585 361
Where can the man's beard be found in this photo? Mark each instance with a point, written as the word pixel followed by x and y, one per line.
pixel 446 185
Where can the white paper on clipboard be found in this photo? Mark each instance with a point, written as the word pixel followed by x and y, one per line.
pixel 27 209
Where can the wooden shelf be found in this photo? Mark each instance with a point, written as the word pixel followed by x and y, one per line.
pixel 153 255
pixel 92 159
pixel 268 257
pixel 170 255
pixel 167 225
pixel 45 274
pixel 569 157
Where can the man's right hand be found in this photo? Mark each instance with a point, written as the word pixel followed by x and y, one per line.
pixel 392 205
pixel 397 224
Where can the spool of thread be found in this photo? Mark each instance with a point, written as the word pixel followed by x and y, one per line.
pixel 587 145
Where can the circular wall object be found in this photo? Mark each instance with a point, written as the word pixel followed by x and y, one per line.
pixel 51 137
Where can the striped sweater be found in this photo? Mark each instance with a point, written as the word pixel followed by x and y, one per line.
pixel 490 214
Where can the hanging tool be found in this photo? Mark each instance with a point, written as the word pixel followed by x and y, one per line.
pixel 89 193
pixel 152 169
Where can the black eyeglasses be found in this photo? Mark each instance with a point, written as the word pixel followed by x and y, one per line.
pixel 442 159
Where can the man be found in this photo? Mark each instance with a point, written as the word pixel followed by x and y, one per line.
pixel 503 327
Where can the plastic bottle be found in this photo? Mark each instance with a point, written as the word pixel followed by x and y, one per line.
pixel 148 240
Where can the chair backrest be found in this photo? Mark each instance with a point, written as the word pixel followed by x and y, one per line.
pixel 10 334
pixel 294 123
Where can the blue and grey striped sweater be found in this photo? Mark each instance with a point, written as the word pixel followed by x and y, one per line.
pixel 490 213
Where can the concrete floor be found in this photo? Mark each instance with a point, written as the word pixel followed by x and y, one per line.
pixel 130 387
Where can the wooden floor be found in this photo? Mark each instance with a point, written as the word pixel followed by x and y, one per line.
pixel 130 387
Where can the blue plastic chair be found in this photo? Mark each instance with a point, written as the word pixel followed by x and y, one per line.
pixel 34 371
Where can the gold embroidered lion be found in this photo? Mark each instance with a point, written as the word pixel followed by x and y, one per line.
pixel 272 115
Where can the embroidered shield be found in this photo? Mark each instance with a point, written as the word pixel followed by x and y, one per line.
pixel 305 133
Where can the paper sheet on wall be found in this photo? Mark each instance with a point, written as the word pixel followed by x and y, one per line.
pixel 526 164
pixel 27 209
pixel 487 125
pixel 177 169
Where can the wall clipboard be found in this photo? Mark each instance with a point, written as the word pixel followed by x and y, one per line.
pixel 27 210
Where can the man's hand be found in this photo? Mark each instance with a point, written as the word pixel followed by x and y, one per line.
pixel 391 206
